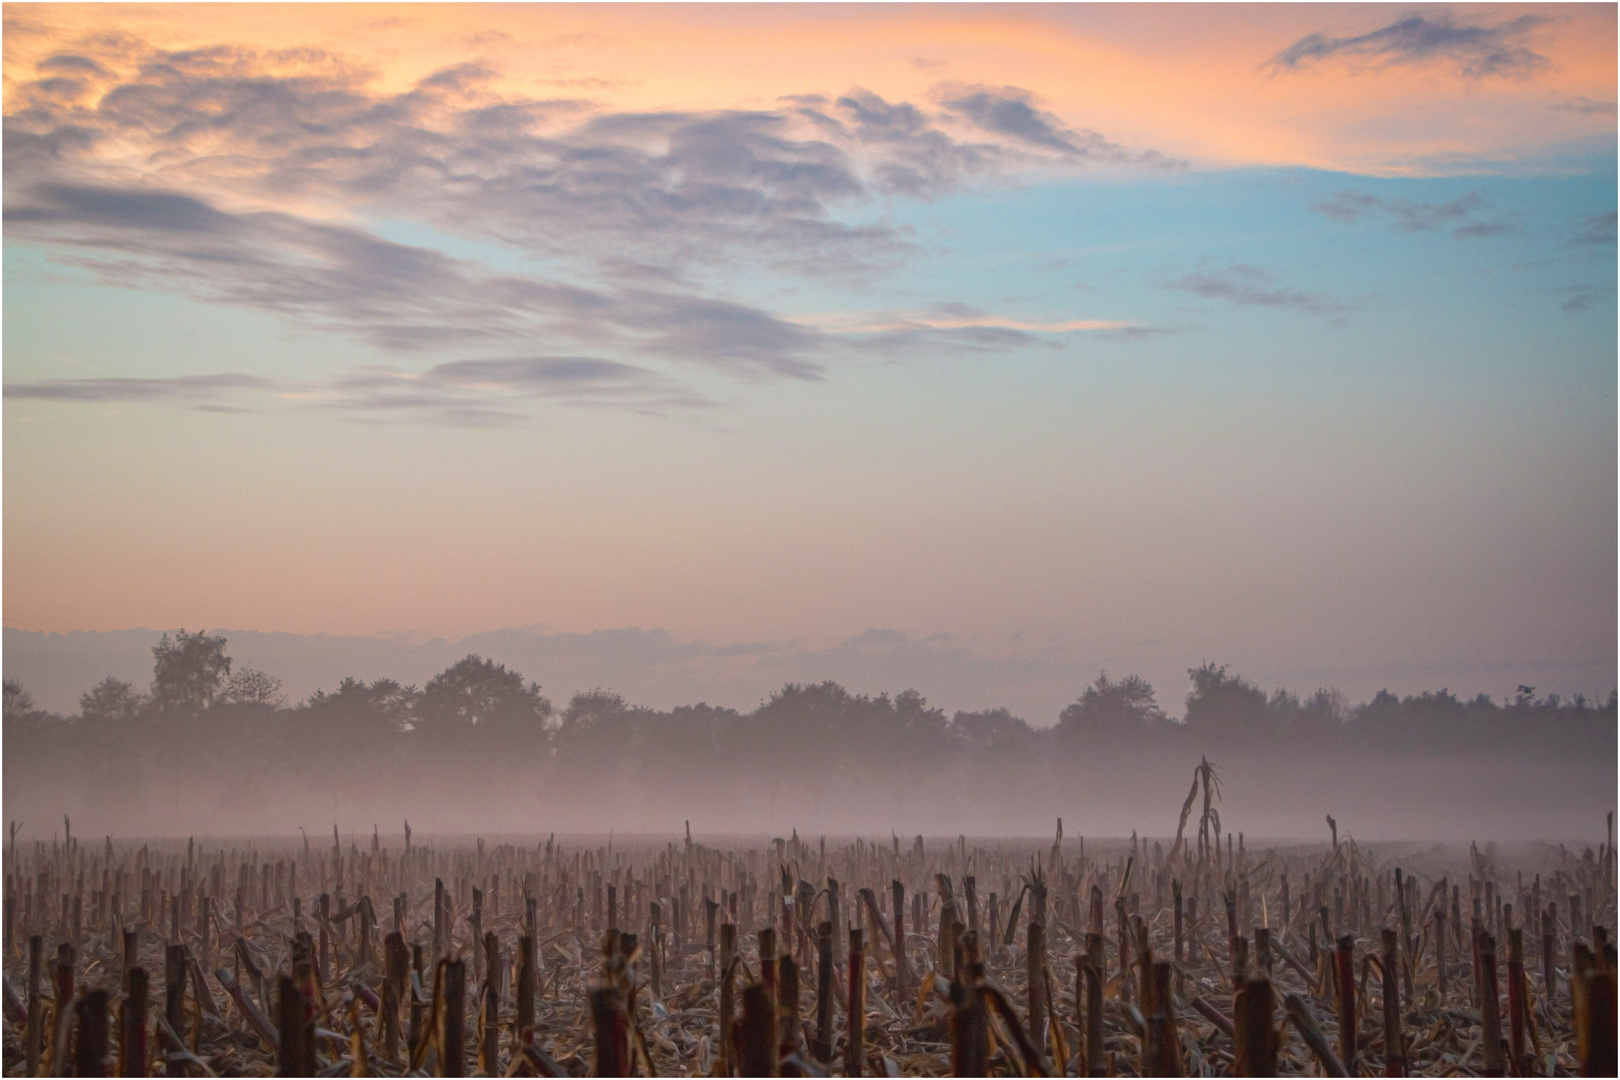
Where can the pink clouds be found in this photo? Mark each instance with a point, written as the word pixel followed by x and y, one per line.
pixel 1359 88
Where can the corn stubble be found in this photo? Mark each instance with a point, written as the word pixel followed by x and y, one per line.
pixel 792 959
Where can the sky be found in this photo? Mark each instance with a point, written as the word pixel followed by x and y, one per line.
pixel 1028 341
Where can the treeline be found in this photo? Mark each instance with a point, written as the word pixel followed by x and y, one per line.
pixel 199 725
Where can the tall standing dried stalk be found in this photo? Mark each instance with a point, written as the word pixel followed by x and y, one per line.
pixel 1440 949
pixel 1344 970
pixel 290 1025
pixel 612 1027
pixel 756 1033
pixel 1162 1024
pixel 902 965
pixel 787 1004
pixel 1256 1037
pixel 728 977
pixel 61 1015
pixel 855 1035
pixel 393 993
pixel 1593 990
pixel 452 1037
pixel 33 1033
pixel 825 973
pixel 1394 1040
pixel 1490 1007
pixel 132 1021
pixel 1093 974
pixel 970 1027
pixel 527 975
pixel 1035 968
pixel 90 1045
pixel 1517 1016
pixel 489 1013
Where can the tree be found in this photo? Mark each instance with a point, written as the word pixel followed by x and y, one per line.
pixel 382 708
pixel 358 725
pixel 826 724
pixel 991 729
pixel 915 724
pixel 19 703
pixel 474 693
pixel 1327 705
pixel 590 708
pixel 1224 705
pixel 24 721
pixel 251 687
pixel 188 671
pixel 1109 707
pixel 111 700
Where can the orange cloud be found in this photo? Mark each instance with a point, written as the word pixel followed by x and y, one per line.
pixel 1198 81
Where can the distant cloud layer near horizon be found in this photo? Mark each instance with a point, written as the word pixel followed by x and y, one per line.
pixel 1282 334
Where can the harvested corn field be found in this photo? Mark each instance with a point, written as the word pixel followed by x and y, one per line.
pixel 1195 954
pixel 809 539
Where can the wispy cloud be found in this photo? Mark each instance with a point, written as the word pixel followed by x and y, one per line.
pixel 955 317
pixel 1461 215
pixel 1598 229
pixel 1504 225
pixel 398 297
pixel 1251 286
pixel 459 393
pixel 1055 263
pixel 194 388
pixel 1585 106
pixel 1472 51
pixel 1010 112
pixel 965 326
pixel 1579 298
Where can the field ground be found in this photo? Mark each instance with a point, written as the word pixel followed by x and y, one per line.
pixel 1201 954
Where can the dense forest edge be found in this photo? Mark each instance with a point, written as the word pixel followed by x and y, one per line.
pixel 204 740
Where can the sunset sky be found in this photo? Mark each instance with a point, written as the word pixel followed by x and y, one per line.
pixel 1053 339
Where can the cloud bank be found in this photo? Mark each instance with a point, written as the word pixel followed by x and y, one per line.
pixel 257 179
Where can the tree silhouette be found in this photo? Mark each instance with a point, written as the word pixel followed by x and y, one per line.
pixel 111 700
pixel 188 671
pixel 19 703
pixel 1224 706
pixel 478 727
pixel 1125 707
pixel 478 694
pixel 381 709
pixel 251 687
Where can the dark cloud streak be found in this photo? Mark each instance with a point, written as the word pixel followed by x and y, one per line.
pixel 398 297
pixel 1250 286
pixel 458 393
pixel 1473 51
pixel 1414 217
pixel 1598 229
pixel 178 388
pixel 1586 106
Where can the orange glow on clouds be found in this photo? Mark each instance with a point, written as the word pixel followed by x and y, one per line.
pixel 1188 81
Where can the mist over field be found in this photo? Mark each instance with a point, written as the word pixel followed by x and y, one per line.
pixel 208 747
